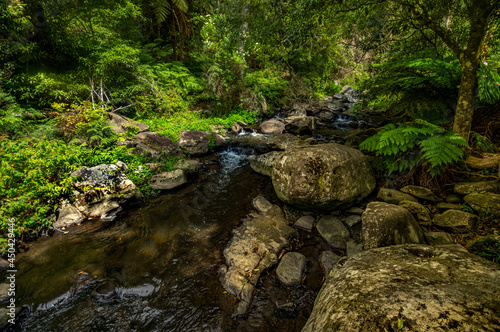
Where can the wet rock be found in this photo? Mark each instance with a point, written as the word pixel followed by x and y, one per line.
pixel 254 248
pixel 284 141
pixel 432 288
pixel 353 248
pixel 263 163
pixel 333 231
pixel 154 145
pixel 484 203
pixel 272 127
pixel 290 269
pixel 438 238
pixel 168 180
pixel 300 125
pixel 68 216
pixel 261 204
pixel 465 188
pixel 454 199
pixel 448 206
pixel 420 212
pixel 120 124
pixel 194 142
pixel 388 224
pixel 305 223
pixel 352 220
pixel 325 176
pixel 327 260
pixel 188 166
pixel 236 128
pixel 455 221
pixel 392 196
pixel 420 192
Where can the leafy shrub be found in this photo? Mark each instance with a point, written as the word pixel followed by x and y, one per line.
pixel 407 146
pixel 488 85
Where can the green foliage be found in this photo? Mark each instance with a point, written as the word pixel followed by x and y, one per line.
pixel 488 247
pixel 417 87
pixel 488 85
pixel 407 146
pixel 482 143
pixel 10 114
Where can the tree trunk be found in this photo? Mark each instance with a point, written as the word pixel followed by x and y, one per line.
pixel 466 94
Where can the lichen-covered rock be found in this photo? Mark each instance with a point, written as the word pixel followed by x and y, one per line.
pixel 438 238
pixel 68 215
pixel 392 196
pixel 194 142
pixel 420 192
pixel 190 166
pixel 484 203
pixel 153 145
pixel 253 249
pixel 386 224
pixel 432 288
pixel 300 125
pixel 448 206
pixel 272 127
pixel 290 269
pixel 420 212
pixel 333 231
pixel 466 188
pixel 455 221
pixel 263 163
pixel 284 141
pixel 323 176
pixel 168 180
pixel 353 248
pixel 352 220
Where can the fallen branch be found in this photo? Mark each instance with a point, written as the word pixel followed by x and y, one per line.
pixel 121 108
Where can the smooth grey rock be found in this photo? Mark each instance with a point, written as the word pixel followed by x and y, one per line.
pixel 168 180
pixel 488 204
pixel 352 220
pixel 324 176
pixel 290 269
pixel 441 288
pixel 466 188
pixel 388 224
pixel 420 192
pixel 453 198
pixel 438 238
pixel 305 223
pixel 448 206
pixel 284 141
pixel 263 163
pixel 190 166
pixel 261 204
pixel 194 142
pixel 455 221
pixel 154 145
pixel 392 196
pixel 327 260
pixel 353 248
pixel 121 124
pixel 68 216
pixel 420 212
pixel 333 231
pixel 272 127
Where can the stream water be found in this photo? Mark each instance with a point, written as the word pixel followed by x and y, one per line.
pixel 156 269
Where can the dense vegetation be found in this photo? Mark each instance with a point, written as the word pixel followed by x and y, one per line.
pixel 193 64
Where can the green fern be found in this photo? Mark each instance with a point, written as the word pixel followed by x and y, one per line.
pixel 406 146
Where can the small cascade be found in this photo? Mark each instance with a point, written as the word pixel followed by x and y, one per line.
pixel 234 157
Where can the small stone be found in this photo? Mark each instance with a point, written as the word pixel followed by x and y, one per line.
pixel 327 260
pixel 437 238
pixel 353 248
pixel 466 188
pixel 356 210
pixel 420 192
pixel 453 198
pixel 448 206
pixel 455 221
pixel 272 127
pixel 352 220
pixel 305 223
pixel 168 180
pixel 333 231
pixel 290 269
pixel 392 196
pixel 122 165
pixel 419 211
pixel 261 204
pixel 188 166
pixel 236 128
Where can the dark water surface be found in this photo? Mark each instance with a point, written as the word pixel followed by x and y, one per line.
pixel 157 268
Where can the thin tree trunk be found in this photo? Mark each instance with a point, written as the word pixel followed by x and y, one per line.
pixel 466 94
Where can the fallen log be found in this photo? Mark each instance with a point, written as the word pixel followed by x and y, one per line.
pixel 489 161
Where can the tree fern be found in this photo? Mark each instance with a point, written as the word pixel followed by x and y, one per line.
pixel 405 146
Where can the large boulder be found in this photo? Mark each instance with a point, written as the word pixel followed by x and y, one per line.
pixel 272 127
pixel 300 125
pixel 194 142
pixel 430 288
pixel 386 224
pixel 484 203
pixel 154 145
pixel 263 163
pixel 325 176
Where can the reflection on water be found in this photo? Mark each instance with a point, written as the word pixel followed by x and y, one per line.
pixel 156 270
